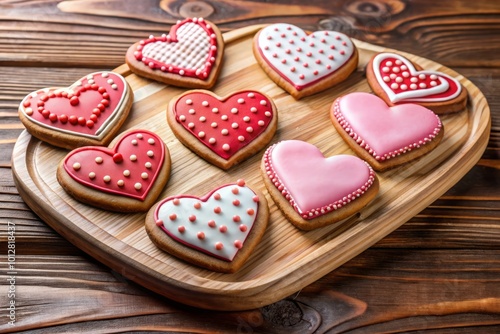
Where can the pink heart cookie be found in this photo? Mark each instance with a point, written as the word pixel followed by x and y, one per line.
pixel 189 56
pixel 304 64
pixel 314 191
pixel 385 136
pixel 125 177
pixel 224 131
pixel 217 231
pixel 395 78
pixel 89 112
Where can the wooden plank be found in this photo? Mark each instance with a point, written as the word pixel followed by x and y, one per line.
pixel 287 259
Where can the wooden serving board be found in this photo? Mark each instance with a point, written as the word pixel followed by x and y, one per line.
pixel 287 259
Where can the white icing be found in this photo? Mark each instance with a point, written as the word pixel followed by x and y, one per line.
pixel 275 48
pixel 413 95
pixel 185 208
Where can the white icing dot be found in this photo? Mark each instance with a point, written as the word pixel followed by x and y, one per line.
pixel 203 119
pixel 414 79
pixel 433 83
pixel 422 85
pixel 398 62
pixel 251 95
pixel 192 111
pixel 98 160
pixel 148 165
pixel 106 178
pixel 241 138
pixel 189 101
pixel 77 166
pixel 120 183
pixel 395 69
pixel 105 74
pixel 114 86
pixel 421 76
pixel 144 175
pixel 126 172
pixel 249 129
pixel 134 142
pixel 137 186
pixel 261 123
pixel 181 72
pixel 268 114
pixel 139 136
pixel 386 79
pixel 182 118
pixel 389 63
pixel 253 109
pixel 90 76
pixel 91 175
pixel 110 81
pixel 393 76
pixel 413 86
pixel 215 110
pixel 91 82
pixel 201 134
pixel 246 119
pixel 399 80
pixel 234 125
pixel 241 101
pixel 133 157
pixel 226 147
pixel 212 140
pixel 191 125
pixel 404 67
pixel 224 117
pixel 234 110
pixel 213 125
pixel 394 86
pixel 150 153
pixel 405 74
pixel 404 87
pixel 385 69
pixel 204 103
pixel 263 102
pixel 151 141
pixel 29 111
pixel 224 132
pixel 433 77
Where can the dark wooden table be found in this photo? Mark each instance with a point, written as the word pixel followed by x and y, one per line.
pixel 439 272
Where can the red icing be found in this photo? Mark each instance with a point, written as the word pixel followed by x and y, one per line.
pixel 134 159
pixel 245 122
pixel 84 111
pixel 172 38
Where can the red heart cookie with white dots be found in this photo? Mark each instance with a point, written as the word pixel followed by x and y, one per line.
pixel 217 231
pixel 223 131
pixel 125 177
pixel 89 112
pixel 397 81
pixel 189 56
pixel 304 64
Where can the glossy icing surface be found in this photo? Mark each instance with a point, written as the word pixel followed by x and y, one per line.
pixel 226 126
pixel 86 108
pixel 129 169
pixel 189 50
pixel 315 185
pixel 403 83
pixel 216 224
pixel 382 130
pixel 303 59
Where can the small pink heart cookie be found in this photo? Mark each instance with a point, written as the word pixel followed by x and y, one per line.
pixel 304 64
pixel 126 177
pixel 189 56
pixel 217 231
pixel 313 191
pixel 397 80
pixel 385 136
pixel 89 112
pixel 223 130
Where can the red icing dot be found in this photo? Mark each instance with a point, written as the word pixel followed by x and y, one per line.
pixel 236 202
pixel 255 199
pixel 223 229
pixel 211 223
pixel 117 157
pixel 172 216
pixel 176 201
pixel 82 120
pixel 197 205
pixel 236 218
pixel 63 119
pixel 243 228
pixel 73 119
pixel 200 235
pixel 217 196
pixel 74 101
pixel 238 244
pixel 217 209
pixel 159 223
pixel 26 104
pixel 241 182
pixel 235 191
pixel 192 218
pixel 251 211
pixel 219 245
pixel 181 229
pixel 53 117
pixel 90 124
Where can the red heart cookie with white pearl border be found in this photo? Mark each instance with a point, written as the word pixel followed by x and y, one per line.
pixel 385 136
pixel 304 64
pixel 189 56
pixel 223 130
pixel 397 80
pixel 217 231
pixel 89 112
pixel 313 191
pixel 127 176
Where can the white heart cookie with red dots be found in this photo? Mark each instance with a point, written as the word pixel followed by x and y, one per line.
pixel 126 177
pixel 89 112
pixel 189 56
pixel 223 130
pixel 304 64
pixel 397 80
pixel 217 231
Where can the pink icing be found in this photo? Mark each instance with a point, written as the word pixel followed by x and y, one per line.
pixel 85 108
pixel 128 169
pixel 189 50
pixel 384 131
pixel 303 59
pixel 225 127
pixel 403 83
pixel 315 185
pixel 216 224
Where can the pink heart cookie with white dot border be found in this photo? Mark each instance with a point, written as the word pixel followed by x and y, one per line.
pixel 189 56
pixel 313 191
pixel 223 130
pixel 89 112
pixel 126 177
pixel 217 231
pixel 304 64
pixel 397 80
pixel 385 136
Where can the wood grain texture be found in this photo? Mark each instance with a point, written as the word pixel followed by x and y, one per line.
pixel 286 259
pixel 462 227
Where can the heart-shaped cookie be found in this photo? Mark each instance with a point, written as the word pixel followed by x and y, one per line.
pixel 382 135
pixel 304 64
pixel 189 56
pixel 396 80
pixel 126 177
pixel 217 231
pixel 314 191
pixel 89 112
pixel 223 130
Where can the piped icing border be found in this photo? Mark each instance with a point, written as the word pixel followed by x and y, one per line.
pixel 361 142
pixel 216 224
pixel 317 212
pixel 200 73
